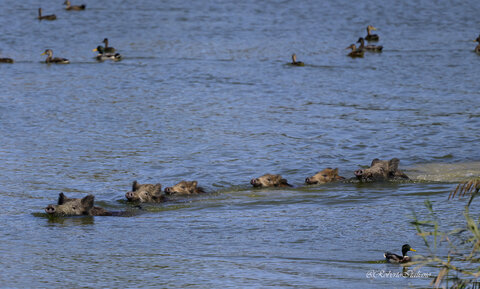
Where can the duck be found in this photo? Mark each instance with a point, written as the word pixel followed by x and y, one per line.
pixel 106 56
pixel 396 259
pixel 370 47
pixel 371 37
pixel 6 60
pixel 355 52
pixel 75 7
pixel 50 58
pixel 295 62
pixel 108 49
pixel 46 17
pixel 477 49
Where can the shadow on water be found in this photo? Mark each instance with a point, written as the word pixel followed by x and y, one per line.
pixel 76 220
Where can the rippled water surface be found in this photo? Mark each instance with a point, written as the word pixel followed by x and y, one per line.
pixel 205 93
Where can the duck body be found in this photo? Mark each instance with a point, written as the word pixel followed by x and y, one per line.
pixel 74 7
pixel 6 60
pixel 295 62
pixel 371 37
pixel 397 259
pixel 374 48
pixel 370 47
pixel 46 17
pixel 51 59
pixel 102 56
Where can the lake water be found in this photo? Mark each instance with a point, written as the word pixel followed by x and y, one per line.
pixel 205 93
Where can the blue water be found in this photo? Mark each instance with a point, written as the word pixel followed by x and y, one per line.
pixel 205 93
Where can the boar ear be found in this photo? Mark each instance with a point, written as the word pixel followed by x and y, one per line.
pixel 158 188
pixel 135 186
pixel 393 164
pixel 61 199
pixel 87 201
pixel 335 172
pixel 194 183
pixel 374 162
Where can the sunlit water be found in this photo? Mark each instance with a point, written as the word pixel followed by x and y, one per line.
pixel 205 93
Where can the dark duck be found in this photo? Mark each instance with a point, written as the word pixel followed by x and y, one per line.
pixel 397 259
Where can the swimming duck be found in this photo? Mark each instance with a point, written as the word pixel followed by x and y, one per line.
pixel 50 59
pixel 106 56
pixel 370 47
pixel 295 62
pixel 371 37
pixel 6 60
pixel 46 17
pixel 394 258
pixel 108 49
pixel 477 49
pixel 355 52
pixel 75 7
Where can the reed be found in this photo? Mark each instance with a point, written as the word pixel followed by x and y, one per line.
pixel 460 267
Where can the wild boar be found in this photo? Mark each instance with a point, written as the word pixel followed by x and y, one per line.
pixel 76 207
pixel 381 170
pixel 270 180
pixel 328 175
pixel 146 193
pixel 185 188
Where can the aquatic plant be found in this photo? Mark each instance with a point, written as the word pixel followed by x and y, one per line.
pixel 460 268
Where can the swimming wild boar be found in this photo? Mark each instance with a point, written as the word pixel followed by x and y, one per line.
pixel 328 175
pixel 146 193
pixel 269 180
pixel 185 188
pixel 76 207
pixel 381 170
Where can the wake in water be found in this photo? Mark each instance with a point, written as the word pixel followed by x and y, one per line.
pixel 444 172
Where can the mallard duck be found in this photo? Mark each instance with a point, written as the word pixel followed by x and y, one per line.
pixel 75 7
pixel 108 49
pixel 46 17
pixel 394 258
pixel 477 49
pixel 371 37
pixel 106 56
pixel 295 62
pixel 370 47
pixel 355 52
pixel 50 58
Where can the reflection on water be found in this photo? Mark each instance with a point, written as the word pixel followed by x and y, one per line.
pixel 204 93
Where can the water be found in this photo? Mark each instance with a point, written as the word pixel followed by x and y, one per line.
pixel 205 93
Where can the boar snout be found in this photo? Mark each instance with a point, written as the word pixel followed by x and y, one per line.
pixel 359 173
pixel 129 195
pixel 50 209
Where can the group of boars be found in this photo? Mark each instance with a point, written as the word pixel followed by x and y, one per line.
pixel 379 171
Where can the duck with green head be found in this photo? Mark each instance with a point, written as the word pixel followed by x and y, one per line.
pixel 102 55
pixel 74 7
pixel 396 259
pixel 371 37
pixel 295 62
pixel 51 59
pixel 46 17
